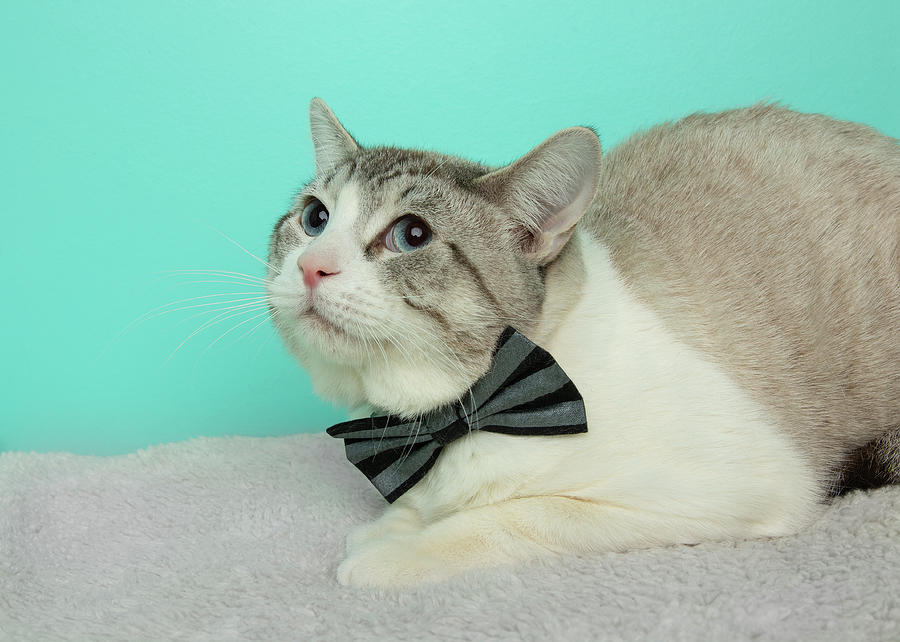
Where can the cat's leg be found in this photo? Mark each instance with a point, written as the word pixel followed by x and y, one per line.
pixel 513 530
pixel 888 456
pixel 395 519
pixel 875 464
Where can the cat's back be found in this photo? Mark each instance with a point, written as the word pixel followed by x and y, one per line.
pixel 770 240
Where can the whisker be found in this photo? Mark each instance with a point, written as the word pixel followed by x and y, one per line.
pixel 229 331
pixel 231 240
pixel 223 305
pixel 226 281
pixel 161 310
pixel 223 273
pixel 443 361
pixel 383 431
pixel 410 441
pixel 233 308
pixel 254 299
pixel 250 333
pixel 436 168
pixel 208 324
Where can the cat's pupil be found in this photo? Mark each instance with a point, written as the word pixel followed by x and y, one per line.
pixel 415 235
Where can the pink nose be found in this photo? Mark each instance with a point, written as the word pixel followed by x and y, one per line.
pixel 315 268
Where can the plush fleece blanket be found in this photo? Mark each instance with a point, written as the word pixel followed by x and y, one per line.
pixel 238 539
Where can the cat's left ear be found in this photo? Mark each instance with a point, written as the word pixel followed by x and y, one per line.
pixel 333 143
pixel 548 190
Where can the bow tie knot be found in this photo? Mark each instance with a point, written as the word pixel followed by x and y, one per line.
pixel 460 426
pixel 525 392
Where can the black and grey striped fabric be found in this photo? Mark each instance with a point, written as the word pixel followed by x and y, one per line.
pixel 524 393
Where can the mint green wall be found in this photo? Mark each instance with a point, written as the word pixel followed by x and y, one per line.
pixel 130 128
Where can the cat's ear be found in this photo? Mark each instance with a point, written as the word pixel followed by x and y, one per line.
pixel 548 190
pixel 332 142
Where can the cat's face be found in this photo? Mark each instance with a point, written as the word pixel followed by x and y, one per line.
pixel 395 271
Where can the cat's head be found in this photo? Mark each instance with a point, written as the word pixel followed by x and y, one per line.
pixel 396 270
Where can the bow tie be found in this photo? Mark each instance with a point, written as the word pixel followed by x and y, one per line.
pixel 525 392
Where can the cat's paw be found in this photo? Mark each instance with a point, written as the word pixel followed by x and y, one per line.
pixel 394 560
pixel 392 522
pixel 364 534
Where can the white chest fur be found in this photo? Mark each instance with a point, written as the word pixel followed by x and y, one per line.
pixel 670 435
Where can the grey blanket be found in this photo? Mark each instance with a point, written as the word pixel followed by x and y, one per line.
pixel 238 539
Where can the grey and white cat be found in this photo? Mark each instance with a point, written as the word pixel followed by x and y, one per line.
pixel 724 292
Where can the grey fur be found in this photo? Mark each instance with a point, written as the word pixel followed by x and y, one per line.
pixel 770 240
pixel 471 284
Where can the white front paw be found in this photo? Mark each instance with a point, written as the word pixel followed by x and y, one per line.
pixel 394 521
pixel 389 561
pixel 366 533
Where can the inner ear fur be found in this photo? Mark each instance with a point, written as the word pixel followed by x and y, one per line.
pixel 333 144
pixel 547 191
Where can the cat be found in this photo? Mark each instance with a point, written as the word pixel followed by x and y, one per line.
pixel 724 291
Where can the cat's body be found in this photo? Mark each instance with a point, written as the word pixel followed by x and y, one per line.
pixel 728 306
pixel 770 240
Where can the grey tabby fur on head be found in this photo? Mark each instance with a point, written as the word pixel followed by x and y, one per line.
pixel 765 239
pixel 483 271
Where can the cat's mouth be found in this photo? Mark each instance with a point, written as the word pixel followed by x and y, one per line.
pixel 318 322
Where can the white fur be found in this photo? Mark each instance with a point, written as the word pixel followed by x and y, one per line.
pixel 675 453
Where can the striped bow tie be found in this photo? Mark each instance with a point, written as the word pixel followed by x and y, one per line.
pixel 524 393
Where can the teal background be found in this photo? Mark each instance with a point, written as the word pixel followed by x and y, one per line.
pixel 130 129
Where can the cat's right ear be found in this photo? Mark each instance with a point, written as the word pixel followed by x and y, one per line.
pixel 547 191
pixel 333 143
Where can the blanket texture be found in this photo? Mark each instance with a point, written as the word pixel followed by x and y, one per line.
pixel 239 538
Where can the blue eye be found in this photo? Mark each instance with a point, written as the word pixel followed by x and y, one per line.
pixel 314 217
pixel 408 234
